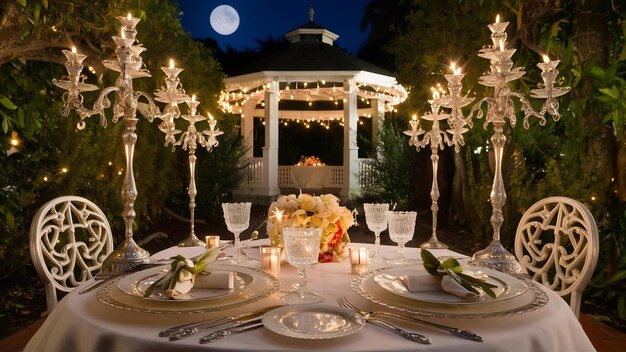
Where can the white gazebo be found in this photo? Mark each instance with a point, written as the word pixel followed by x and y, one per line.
pixel 313 72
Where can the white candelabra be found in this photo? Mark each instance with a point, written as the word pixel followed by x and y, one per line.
pixel 437 138
pixel 500 107
pixel 129 64
pixel 188 139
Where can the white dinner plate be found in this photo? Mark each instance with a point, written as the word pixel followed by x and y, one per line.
pixel 137 283
pixel 313 321
pixel 507 286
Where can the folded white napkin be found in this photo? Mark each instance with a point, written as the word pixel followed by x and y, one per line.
pixel 216 280
pixel 422 282
pixel 450 285
pixel 430 283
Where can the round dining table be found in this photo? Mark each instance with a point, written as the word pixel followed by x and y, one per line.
pixel 81 322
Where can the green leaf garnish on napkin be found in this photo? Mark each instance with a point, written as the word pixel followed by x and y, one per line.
pixel 452 268
pixel 182 267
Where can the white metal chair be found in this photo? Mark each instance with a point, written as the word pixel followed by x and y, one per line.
pixel 557 243
pixel 69 238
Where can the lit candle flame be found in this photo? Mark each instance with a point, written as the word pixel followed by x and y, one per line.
pixel 546 59
pixel 171 63
pixel 193 98
pixel 453 67
pixel 414 117
pixel 129 16
pixel 73 50
pixel 498 18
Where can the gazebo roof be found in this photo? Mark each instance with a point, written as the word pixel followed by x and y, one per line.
pixel 310 56
pixel 310 69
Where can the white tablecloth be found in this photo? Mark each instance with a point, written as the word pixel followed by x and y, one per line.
pixel 81 323
pixel 310 177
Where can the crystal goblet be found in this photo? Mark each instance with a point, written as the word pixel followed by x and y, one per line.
pixel 301 250
pixel 237 217
pixel 401 230
pixel 376 220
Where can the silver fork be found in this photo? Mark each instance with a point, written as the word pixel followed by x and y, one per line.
pixel 466 334
pixel 413 336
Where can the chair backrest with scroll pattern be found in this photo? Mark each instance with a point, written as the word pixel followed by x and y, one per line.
pixel 69 238
pixel 557 243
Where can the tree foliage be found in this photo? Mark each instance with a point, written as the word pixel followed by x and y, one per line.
pixel 51 157
pixel 583 155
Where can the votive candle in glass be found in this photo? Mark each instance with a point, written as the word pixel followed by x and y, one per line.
pixel 212 241
pixel 270 260
pixel 359 260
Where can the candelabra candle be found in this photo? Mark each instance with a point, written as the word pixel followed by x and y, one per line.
pixel 128 62
pixel 456 102
pixel 500 107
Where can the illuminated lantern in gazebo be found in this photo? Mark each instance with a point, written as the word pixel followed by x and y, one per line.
pixel 309 71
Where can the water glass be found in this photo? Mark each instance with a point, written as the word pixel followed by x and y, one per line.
pixel 376 220
pixel 237 217
pixel 401 229
pixel 302 247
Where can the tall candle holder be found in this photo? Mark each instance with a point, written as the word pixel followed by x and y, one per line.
pixel 500 107
pixel 189 141
pixel 436 139
pixel 129 64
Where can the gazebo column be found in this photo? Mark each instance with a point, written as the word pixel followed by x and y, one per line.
pixel 269 178
pixel 378 115
pixel 247 128
pixel 350 149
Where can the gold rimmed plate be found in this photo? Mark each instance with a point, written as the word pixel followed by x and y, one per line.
pixel 531 299
pixel 137 283
pixel 262 285
pixel 507 287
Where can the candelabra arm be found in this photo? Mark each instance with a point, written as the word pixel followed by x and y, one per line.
pixel 529 111
pixel 153 111
pixel 477 109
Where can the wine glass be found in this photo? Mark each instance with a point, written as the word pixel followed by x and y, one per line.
pixel 401 229
pixel 376 219
pixel 237 217
pixel 302 245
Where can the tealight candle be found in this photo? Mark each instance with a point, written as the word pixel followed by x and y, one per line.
pixel 270 260
pixel 212 241
pixel 359 260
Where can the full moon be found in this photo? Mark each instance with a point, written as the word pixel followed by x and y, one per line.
pixel 224 20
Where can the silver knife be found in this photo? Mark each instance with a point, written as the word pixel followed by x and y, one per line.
pixel 182 331
pixel 235 329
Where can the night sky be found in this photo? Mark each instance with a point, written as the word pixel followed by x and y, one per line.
pixel 258 18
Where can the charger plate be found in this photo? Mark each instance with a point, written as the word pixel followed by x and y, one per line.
pixel 262 285
pixel 313 321
pixel 507 286
pixel 137 283
pixel 531 299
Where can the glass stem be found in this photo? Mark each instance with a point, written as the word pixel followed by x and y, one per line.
pixel 401 250
pixel 302 285
pixel 238 244
pixel 377 244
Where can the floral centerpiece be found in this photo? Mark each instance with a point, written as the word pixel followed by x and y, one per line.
pixel 306 210
pixel 309 161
